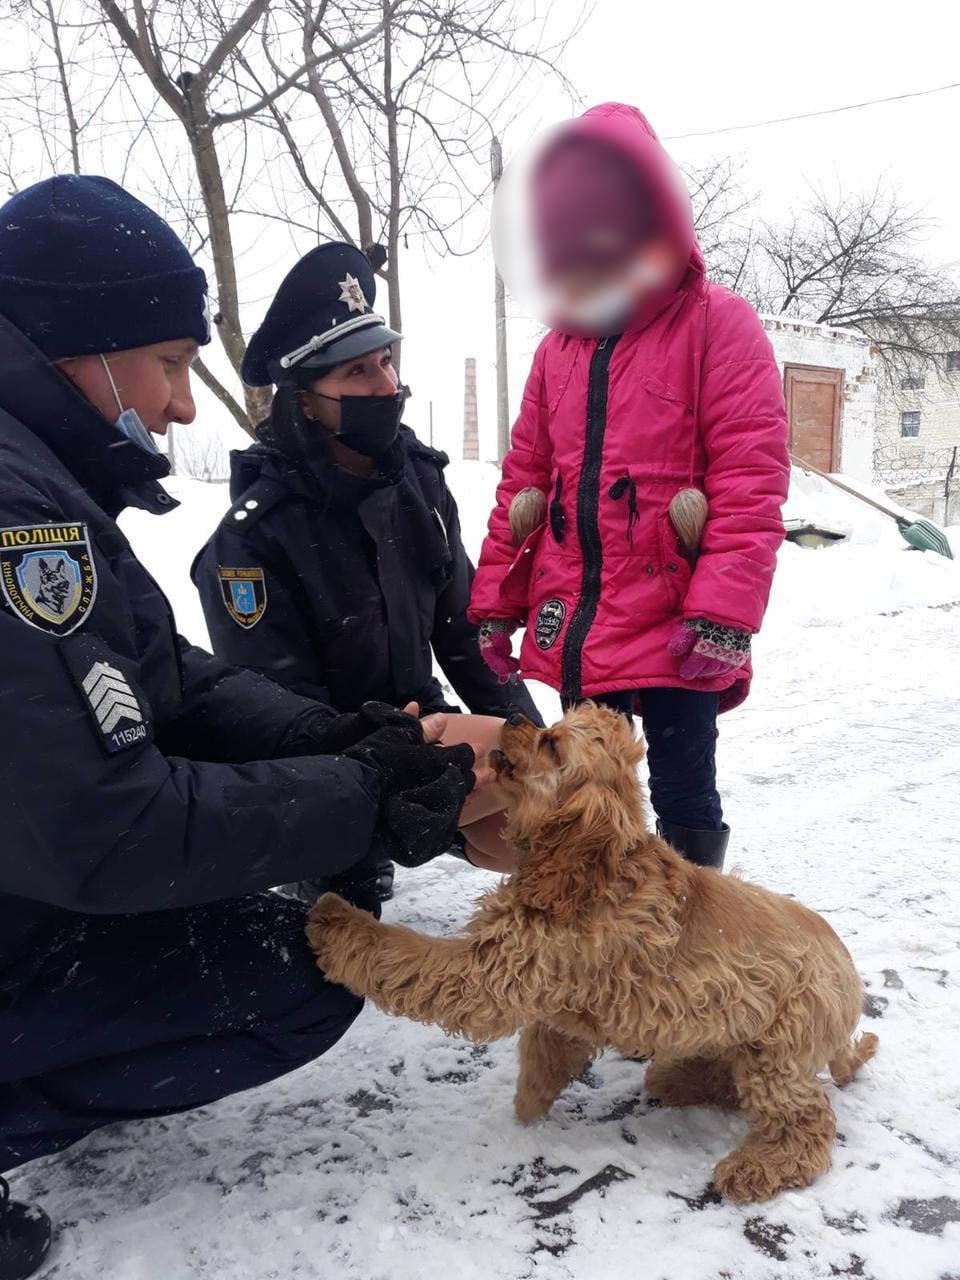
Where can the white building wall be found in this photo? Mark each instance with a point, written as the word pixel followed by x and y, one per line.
pixel 921 471
pixel 802 342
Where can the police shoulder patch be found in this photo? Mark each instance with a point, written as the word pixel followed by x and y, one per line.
pixel 48 577
pixel 244 593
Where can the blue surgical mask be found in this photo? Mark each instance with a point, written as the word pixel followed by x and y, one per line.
pixel 129 423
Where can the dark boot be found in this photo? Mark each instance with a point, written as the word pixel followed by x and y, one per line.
pixel 705 848
pixel 25 1233
pixel 385 873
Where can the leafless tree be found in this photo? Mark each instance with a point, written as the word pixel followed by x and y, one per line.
pixel 857 262
pixel 383 110
pixel 197 452
pixel 193 54
pixel 55 94
pixel 409 117
pixel 723 217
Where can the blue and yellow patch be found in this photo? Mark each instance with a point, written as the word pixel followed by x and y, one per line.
pixel 244 593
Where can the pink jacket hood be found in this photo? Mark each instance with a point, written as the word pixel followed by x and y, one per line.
pixel 629 131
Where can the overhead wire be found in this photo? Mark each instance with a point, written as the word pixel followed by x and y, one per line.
pixel 809 115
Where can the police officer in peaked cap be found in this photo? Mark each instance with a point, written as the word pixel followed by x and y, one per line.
pixel 339 571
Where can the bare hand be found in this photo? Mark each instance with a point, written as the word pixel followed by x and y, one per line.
pixel 434 726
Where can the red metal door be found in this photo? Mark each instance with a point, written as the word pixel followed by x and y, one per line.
pixel 814 402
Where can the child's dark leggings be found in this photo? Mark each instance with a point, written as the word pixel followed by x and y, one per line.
pixel 680 726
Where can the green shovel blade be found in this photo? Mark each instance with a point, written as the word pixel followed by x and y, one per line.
pixel 925 536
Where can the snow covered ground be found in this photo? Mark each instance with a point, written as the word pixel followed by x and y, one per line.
pixel 396 1157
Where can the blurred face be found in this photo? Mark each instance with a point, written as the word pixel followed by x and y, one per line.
pixel 369 375
pixel 587 232
pixel 154 380
pixel 639 272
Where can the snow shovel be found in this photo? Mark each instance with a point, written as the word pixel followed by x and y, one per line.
pixel 919 534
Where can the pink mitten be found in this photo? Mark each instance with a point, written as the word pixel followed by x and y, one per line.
pixel 496 649
pixel 709 649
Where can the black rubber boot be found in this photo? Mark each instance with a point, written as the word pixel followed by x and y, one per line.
pixel 25 1234
pixel 705 848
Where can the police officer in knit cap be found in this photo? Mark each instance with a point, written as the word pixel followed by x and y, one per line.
pixel 151 794
pixel 340 571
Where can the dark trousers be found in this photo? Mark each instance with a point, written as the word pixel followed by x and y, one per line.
pixel 126 1017
pixel 680 726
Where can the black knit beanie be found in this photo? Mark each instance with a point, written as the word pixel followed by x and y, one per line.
pixel 86 268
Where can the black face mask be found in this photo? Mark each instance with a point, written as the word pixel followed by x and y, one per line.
pixel 369 425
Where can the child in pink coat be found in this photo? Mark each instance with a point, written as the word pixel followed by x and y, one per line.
pixel 652 381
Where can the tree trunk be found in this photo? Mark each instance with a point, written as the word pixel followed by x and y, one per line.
pixel 227 318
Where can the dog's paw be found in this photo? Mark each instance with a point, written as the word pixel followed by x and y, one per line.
pixel 754 1174
pixel 330 909
pixel 528 1107
pixel 329 917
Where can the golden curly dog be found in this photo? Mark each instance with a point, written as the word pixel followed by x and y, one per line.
pixel 604 936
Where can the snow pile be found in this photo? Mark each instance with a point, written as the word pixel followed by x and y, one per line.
pixel 873 572
pixel 396 1156
pixel 819 502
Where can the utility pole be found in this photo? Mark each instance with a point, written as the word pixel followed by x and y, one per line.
pixel 500 313
pixel 171 450
pixel 471 431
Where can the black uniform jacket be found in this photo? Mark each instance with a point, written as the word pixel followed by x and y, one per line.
pixel 138 773
pixel 339 586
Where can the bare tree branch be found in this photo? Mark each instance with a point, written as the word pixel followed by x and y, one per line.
pixel 254 108
pixel 213 383
pixel 856 261
pixel 231 39
pixel 64 86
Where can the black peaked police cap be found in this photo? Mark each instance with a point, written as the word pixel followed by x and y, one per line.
pixel 322 315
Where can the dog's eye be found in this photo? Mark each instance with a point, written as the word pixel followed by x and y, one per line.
pixel 551 744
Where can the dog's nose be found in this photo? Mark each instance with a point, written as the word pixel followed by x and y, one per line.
pixel 516 719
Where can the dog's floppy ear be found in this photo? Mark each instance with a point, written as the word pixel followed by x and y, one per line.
pixel 575 855
pixel 625 743
pixel 616 733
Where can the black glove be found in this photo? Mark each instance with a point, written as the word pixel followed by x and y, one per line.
pixel 318 734
pixel 422 790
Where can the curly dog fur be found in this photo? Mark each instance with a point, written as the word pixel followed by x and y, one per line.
pixel 604 936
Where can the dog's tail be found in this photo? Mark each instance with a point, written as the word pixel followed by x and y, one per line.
pixel 852 1056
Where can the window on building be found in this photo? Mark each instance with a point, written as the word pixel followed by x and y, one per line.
pixel 909 424
pixel 953 362
pixel 912 382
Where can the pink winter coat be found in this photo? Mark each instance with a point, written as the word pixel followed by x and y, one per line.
pixel 610 431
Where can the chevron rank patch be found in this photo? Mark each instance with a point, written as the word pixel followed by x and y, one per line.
pixel 48 578
pixel 116 706
pixel 244 594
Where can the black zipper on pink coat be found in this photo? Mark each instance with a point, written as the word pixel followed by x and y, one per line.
pixel 588 521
